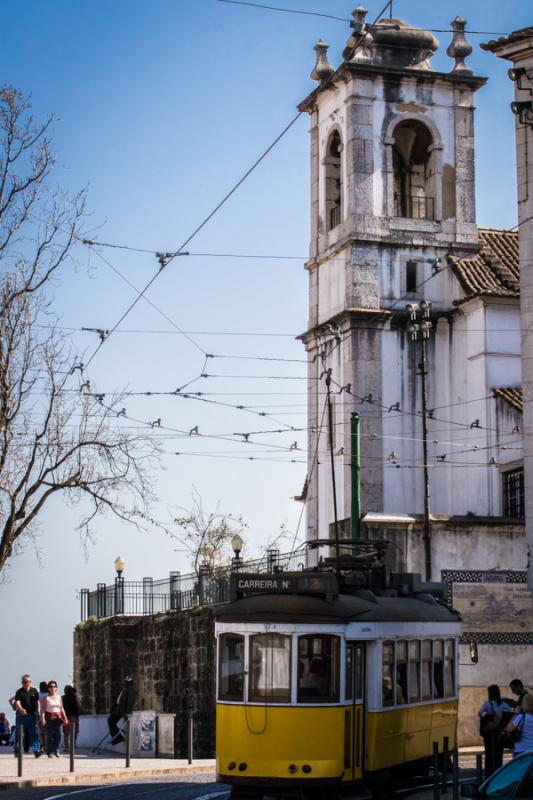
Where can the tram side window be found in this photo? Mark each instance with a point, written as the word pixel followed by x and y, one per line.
pixel 270 667
pixel 438 669
pixel 427 692
pixel 449 668
pixel 318 668
pixel 401 673
pixel 354 672
pixel 388 674
pixel 414 672
pixel 231 667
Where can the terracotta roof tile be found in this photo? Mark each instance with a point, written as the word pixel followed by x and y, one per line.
pixel 494 270
pixel 511 395
pixel 515 36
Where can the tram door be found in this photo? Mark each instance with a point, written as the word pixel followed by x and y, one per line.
pixel 354 715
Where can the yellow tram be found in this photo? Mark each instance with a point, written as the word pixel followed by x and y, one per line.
pixel 326 682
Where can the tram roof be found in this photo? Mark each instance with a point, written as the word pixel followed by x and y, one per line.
pixel 341 610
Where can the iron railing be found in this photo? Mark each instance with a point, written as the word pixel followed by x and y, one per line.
pixel 334 217
pixel 415 207
pixel 179 592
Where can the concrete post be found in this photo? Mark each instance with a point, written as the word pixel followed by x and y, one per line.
pixel 518 48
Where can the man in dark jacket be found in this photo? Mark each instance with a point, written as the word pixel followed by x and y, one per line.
pixel 28 709
pixel 122 708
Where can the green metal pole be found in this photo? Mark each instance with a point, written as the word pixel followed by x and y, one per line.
pixel 355 517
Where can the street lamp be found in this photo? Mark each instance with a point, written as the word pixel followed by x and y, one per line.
pixel 236 545
pixel 119 565
pixel 419 328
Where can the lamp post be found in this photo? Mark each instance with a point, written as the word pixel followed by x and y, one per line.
pixel 119 565
pixel 236 546
pixel 419 328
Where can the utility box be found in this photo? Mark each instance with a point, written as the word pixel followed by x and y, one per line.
pixel 165 735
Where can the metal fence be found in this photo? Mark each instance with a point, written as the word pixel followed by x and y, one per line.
pixel 179 592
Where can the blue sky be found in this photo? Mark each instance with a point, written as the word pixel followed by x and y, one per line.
pixel 161 106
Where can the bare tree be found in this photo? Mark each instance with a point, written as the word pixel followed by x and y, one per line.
pixel 55 438
pixel 208 535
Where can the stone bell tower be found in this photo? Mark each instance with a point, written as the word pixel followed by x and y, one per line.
pixel 392 196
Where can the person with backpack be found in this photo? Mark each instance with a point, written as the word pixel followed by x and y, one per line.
pixel 521 726
pixel 493 715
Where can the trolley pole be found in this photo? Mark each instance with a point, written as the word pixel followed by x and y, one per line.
pixel 355 441
pixel 422 329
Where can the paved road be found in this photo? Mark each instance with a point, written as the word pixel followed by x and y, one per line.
pixel 192 787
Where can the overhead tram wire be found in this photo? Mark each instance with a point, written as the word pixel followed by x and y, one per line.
pixel 344 19
pixel 167 258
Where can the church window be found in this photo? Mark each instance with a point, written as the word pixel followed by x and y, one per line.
pixel 513 493
pixel 333 181
pixel 414 171
pixel 411 277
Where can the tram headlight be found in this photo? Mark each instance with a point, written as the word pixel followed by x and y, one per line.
pixel 293 768
pixel 232 765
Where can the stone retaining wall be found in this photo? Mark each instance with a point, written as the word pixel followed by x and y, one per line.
pixel 171 658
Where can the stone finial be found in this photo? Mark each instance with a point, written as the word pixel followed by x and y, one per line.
pixel 322 69
pixel 359 43
pixel 459 48
pixel 359 19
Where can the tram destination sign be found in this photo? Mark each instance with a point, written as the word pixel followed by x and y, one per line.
pixel 245 583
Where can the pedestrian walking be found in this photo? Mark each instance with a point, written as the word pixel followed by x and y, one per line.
pixel 53 717
pixel 521 726
pixel 27 714
pixel 72 708
pixel 121 708
pixel 43 692
pixel 493 716
pixel 5 729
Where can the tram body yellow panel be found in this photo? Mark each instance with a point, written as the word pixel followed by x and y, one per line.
pixel 270 738
pixel 407 734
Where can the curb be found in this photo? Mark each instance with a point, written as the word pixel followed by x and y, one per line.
pixel 92 777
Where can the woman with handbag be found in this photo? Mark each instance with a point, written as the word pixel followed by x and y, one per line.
pixel 521 727
pixel 491 720
pixel 53 717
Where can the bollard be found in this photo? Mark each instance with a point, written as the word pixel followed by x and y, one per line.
pixel 128 742
pixel 20 736
pixel 455 773
pixel 189 738
pixel 479 769
pixel 72 746
pixel 445 756
pixel 436 784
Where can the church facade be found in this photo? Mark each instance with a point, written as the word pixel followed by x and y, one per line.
pixel 414 325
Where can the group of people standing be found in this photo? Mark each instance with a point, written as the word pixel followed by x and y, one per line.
pixel 43 715
pixel 506 723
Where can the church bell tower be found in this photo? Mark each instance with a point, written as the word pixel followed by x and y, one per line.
pixel 392 196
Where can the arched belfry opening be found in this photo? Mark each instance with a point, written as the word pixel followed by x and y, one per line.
pixel 414 171
pixel 333 181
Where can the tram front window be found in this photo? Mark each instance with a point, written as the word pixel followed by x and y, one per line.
pixel 231 667
pixel 318 669
pixel 270 668
pixel 388 674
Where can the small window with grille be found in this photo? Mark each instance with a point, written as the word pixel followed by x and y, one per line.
pixel 411 276
pixel 513 492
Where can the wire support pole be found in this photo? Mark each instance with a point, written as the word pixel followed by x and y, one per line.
pixel 355 521
pixel 427 519
pixel 419 327
pixel 332 461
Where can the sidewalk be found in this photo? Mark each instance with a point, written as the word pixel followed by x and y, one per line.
pixel 92 768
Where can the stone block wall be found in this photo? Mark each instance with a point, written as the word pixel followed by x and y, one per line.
pixel 171 658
